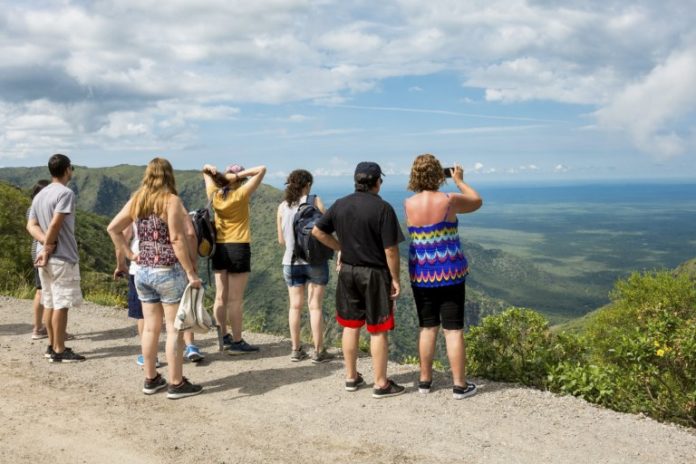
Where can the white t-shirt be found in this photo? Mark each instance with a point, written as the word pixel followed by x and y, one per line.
pixel 135 248
pixel 287 214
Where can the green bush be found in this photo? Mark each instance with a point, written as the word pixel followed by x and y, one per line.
pixel 514 346
pixel 587 381
pixel 646 339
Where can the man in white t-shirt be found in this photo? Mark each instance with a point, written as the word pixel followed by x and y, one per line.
pixel 52 223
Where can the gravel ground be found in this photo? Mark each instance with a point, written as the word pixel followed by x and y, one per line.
pixel 261 408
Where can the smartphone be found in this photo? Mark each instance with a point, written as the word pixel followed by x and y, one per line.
pixel 448 172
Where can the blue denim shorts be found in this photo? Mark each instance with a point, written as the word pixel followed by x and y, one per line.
pixel 297 275
pixel 160 284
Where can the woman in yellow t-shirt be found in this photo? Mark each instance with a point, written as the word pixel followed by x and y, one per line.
pixel 230 192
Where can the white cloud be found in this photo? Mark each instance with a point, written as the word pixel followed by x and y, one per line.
pixel 110 69
pixel 648 108
pixel 298 118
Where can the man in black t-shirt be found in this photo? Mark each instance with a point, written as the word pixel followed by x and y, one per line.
pixel 368 281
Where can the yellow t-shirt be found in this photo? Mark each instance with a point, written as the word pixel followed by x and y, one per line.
pixel 231 215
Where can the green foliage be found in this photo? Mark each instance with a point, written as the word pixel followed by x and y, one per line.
pixel 100 288
pixel 587 381
pixel 514 346
pixel 636 355
pixel 15 258
pixel 647 339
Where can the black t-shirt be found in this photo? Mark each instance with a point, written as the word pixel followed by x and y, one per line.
pixel 365 225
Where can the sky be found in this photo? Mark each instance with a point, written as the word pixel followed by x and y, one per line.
pixel 515 91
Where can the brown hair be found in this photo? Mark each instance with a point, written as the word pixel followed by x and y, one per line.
pixel 218 178
pixel 426 174
pixel 297 180
pixel 152 196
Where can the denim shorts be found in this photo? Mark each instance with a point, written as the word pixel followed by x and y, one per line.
pixel 297 275
pixel 164 284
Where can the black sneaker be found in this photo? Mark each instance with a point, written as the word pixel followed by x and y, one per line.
pixel 352 385
pixel 49 352
pixel 227 341
pixel 459 393
pixel 184 389
pixel 241 347
pixel 152 386
pixel 392 389
pixel 424 386
pixel 67 356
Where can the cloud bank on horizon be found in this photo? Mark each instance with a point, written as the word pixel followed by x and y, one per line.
pixel 517 82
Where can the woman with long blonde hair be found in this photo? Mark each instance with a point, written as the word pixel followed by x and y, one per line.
pixel 166 264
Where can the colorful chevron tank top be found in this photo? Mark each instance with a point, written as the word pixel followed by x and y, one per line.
pixel 435 257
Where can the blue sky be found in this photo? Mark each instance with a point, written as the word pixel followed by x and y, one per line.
pixel 516 91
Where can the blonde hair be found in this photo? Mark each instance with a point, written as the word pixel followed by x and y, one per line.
pixel 152 196
pixel 426 174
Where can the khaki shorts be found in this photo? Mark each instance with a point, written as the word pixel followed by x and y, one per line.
pixel 60 284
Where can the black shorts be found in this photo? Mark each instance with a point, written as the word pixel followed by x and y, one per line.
pixel 446 303
pixel 362 296
pixel 135 307
pixel 37 280
pixel 232 257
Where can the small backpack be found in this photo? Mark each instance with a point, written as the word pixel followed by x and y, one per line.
pixel 191 314
pixel 307 247
pixel 205 231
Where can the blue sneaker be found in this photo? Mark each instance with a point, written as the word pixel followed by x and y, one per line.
pixel 193 354
pixel 141 361
pixel 242 347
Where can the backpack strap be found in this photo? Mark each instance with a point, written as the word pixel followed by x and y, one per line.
pixel 311 200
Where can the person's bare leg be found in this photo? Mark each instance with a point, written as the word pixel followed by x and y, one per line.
pixel 174 346
pixel 220 305
pixel 456 352
pixel 38 311
pixel 188 338
pixel 237 283
pixel 426 351
pixel 59 320
pixel 149 339
pixel 351 339
pixel 296 297
pixel 379 349
pixel 140 324
pixel 48 322
pixel 316 317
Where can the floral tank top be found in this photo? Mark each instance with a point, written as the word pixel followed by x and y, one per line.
pixel 435 257
pixel 155 246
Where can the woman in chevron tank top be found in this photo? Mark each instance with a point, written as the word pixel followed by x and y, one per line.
pixel 438 267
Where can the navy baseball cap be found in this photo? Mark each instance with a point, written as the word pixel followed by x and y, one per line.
pixel 368 169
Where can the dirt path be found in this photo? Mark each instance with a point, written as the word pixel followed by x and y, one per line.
pixel 263 408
